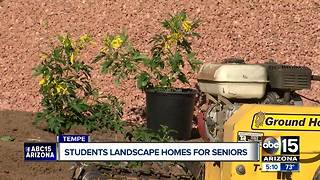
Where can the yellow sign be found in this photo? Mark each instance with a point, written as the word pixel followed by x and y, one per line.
pixel 274 121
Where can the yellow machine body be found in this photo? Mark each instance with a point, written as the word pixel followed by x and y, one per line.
pixel 245 120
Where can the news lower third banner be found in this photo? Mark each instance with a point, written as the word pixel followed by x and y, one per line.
pixel 79 148
pixel 158 151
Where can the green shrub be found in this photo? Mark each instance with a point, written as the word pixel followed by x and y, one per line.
pixel 68 97
pixel 171 50
pixel 143 134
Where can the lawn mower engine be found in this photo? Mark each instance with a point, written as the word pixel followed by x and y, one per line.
pixel 236 99
pixel 229 85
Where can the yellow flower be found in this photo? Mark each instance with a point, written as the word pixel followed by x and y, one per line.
pixel 172 40
pixel 166 45
pixel 116 42
pixel 84 38
pixel 186 25
pixel 61 89
pixel 82 42
pixel 174 37
pixel 72 59
pixel 58 88
pixel 42 81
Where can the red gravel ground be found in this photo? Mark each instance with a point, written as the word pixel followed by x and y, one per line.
pixel 287 31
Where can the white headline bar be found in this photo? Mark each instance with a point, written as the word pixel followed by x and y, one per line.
pixel 158 151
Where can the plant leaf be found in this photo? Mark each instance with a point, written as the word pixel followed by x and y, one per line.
pixel 182 77
pixel 6 138
pixel 143 80
pixel 79 106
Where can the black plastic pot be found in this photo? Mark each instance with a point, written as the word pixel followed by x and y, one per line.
pixel 171 108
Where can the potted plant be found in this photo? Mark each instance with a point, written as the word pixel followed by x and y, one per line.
pixel 157 74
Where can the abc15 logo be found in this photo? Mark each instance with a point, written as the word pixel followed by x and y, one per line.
pixel 283 145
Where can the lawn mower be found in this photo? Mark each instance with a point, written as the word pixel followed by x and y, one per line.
pixel 247 102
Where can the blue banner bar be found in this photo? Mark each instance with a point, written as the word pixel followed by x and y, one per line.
pixel 73 138
pixel 40 152
pixel 289 167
